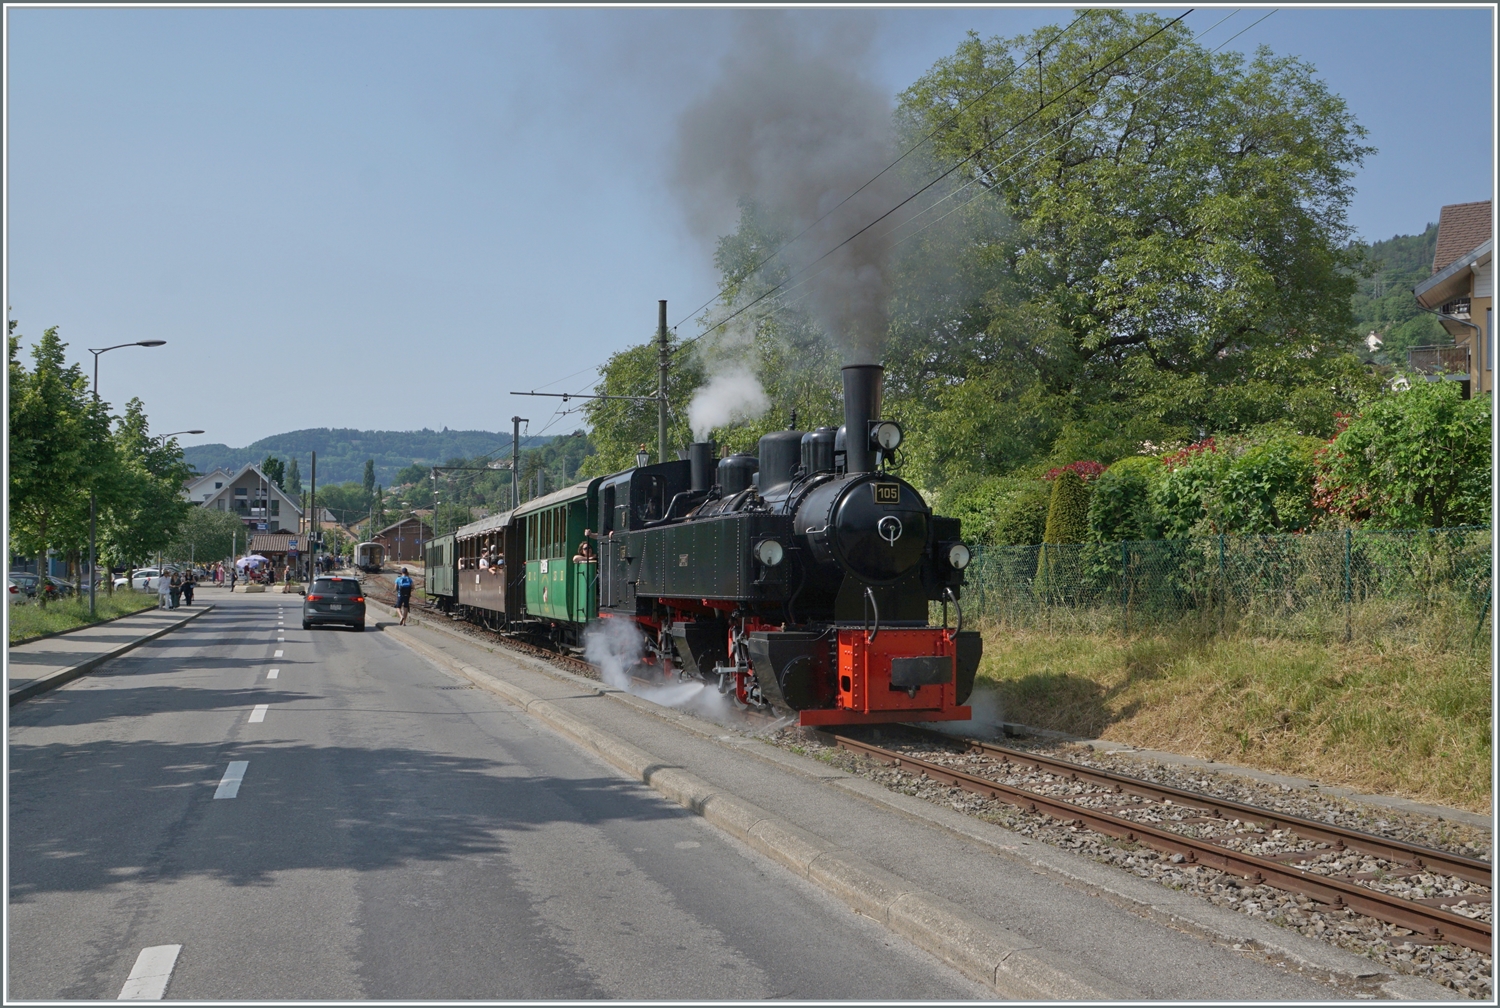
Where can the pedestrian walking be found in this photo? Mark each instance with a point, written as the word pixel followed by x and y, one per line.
pixel 163 593
pixel 188 583
pixel 175 590
pixel 233 577
pixel 403 595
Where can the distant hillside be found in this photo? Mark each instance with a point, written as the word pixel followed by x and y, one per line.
pixel 342 452
pixel 1384 303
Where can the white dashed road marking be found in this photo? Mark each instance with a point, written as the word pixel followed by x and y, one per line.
pixel 229 785
pixel 277 654
pixel 273 673
pixel 152 970
pixel 259 713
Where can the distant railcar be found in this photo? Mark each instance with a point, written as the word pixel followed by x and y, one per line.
pixel 437 560
pixel 369 556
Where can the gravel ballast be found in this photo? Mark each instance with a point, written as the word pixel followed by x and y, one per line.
pixel 1462 970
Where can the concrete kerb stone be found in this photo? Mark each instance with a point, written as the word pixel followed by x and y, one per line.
pixel 1181 911
pixel 977 948
pixel 63 676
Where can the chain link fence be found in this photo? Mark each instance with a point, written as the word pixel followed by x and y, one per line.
pixel 1424 586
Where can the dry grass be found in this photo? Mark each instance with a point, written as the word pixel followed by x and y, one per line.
pixel 32 620
pixel 1400 719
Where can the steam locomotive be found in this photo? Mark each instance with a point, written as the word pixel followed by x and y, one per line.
pixel 800 579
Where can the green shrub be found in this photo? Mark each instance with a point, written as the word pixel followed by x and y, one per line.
pixel 1068 510
pixel 1418 458
pixel 1120 505
pixel 997 510
pixel 1257 484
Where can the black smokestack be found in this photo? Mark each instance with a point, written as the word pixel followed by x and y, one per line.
pixel 701 459
pixel 862 388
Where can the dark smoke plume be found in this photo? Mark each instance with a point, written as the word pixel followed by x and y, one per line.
pixel 795 125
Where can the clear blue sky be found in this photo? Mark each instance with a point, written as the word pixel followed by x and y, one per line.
pixel 438 206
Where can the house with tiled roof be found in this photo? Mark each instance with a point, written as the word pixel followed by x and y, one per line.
pixel 255 499
pixel 1461 292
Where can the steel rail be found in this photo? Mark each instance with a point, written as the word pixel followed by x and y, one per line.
pixel 1430 922
pixel 1446 863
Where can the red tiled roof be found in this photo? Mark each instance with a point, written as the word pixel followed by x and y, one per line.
pixel 1462 228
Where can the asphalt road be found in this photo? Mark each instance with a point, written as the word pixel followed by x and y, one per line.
pixel 396 834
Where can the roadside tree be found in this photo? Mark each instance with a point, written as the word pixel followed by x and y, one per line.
pixel 59 448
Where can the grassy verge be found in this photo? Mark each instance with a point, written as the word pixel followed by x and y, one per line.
pixel 1385 718
pixel 33 621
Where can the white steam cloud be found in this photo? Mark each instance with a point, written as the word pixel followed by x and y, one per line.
pixel 616 647
pixel 731 394
pixel 796 125
pixel 987 721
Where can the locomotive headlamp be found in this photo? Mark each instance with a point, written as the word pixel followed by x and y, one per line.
pixel 958 556
pixel 642 457
pixel 769 552
pixel 886 434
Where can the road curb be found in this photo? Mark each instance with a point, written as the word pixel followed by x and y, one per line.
pixel 982 950
pixel 1144 898
pixel 66 675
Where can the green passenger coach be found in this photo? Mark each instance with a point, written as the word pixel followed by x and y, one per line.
pixel 559 590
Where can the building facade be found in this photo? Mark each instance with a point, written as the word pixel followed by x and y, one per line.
pixel 1461 291
pixel 256 500
pixel 404 540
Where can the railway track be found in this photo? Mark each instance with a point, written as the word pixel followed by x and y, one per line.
pixel 1296 870
pixel 1188 813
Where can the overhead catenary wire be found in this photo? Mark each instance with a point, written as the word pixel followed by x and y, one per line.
pixel 949 171
pixel 874 178
pixel 1041 49
pixel 992 188
pixel 1031 163
pixel 1056 97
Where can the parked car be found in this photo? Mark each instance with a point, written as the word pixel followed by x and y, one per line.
pixel 26 581
pixel 15 592
pixel 334 600
pixel 143 580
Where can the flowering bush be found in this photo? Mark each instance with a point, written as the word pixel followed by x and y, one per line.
pixel 1086 471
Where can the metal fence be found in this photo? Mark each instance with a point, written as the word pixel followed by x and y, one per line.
pixel 1428 586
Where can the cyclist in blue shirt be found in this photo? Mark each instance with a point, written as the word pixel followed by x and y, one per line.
pixel 403 595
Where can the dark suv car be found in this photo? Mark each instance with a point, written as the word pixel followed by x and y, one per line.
pixel 334 600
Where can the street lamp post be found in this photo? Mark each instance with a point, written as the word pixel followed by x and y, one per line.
pixel 93 492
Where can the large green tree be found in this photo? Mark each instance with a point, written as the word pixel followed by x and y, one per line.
pixel 206 535
pixel 144 507
pixel 60 449
pixel 1175 258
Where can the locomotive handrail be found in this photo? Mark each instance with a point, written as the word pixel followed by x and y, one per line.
pixel 870 597
pixel 953 597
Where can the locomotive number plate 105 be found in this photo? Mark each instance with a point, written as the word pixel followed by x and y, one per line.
pixel 887 493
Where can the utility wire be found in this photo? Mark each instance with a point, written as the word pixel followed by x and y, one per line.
pixel 962 109
pixel 992 188
pixel 1012 128
pixel 874 178
pixel 1032 163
